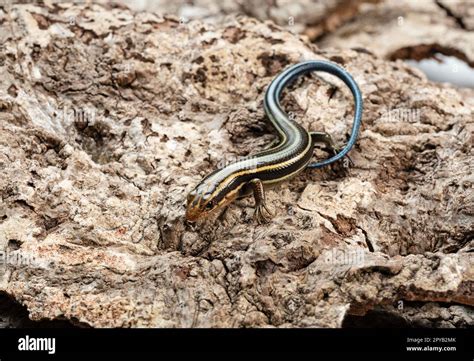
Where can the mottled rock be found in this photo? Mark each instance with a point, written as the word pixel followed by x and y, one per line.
pixel 462 11
pixel 312 18
pixel 409 30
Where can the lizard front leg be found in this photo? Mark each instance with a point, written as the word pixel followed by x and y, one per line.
pixel 260 204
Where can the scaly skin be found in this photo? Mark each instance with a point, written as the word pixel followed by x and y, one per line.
pixel 283 161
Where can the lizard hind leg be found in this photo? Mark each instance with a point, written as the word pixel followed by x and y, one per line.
pixel 326 139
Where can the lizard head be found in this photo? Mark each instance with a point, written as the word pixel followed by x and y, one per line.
pixel 206 199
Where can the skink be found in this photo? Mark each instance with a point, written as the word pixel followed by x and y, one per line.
pixel 293 153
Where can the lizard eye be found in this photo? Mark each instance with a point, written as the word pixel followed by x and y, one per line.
pixel 209 206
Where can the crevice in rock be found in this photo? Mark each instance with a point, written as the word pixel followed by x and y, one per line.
pixel 367 240
pixel 96 140
pixel 428 51
pixel 412 314
pixel 375 318
pixel 449 13
pixel 339 15
pixel 14 315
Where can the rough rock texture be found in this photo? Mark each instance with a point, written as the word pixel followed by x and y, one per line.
pixel 13 315
pixel 205 10
pixel 407 29
pixel 414 314
pixel 462 11
pixel 108 118
pixel 313 18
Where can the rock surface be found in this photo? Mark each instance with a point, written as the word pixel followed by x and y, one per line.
pixel 108 118
pixel 312 18
pixel 461 11
pixel 410 30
